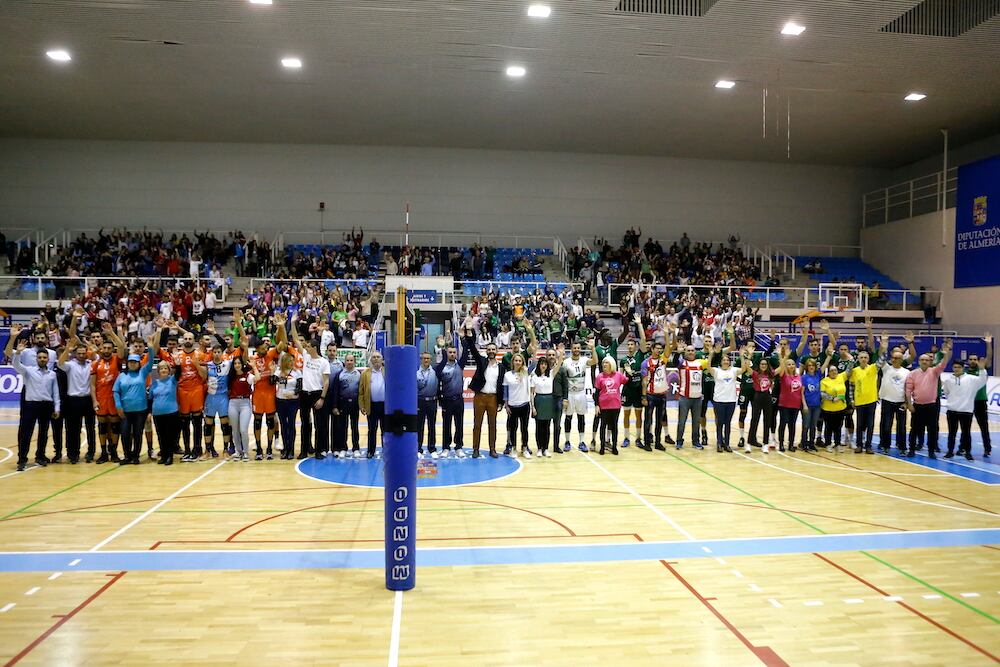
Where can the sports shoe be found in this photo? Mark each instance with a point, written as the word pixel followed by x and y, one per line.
pixel 638 443
pixel 625 442
pixel 459 453
pixel 698 445
pixel 526 453
pixel 567 447
pixel 766 449
pixel 747 449
pixel 583 447
pixel 434 454
pixel 668 440
pixel 741 442
pixel 357 453
pixel 659 448
pixel 830 448
pixel 371 455
pixel 510 451
pixel 968 456
pixel 614 449
pixel 547 454
pixel 679 445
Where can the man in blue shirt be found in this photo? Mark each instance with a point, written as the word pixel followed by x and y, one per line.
pixel 41 401
pixel 371 400
pixel 346 383
pixel 451 382
pixel 427 395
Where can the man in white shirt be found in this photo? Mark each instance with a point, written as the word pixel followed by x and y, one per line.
pixel 892 396
pixel 961 389
pixel 315 383
pixel 575 403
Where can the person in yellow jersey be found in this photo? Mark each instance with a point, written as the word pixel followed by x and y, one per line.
pixel 833 392
pixel 864 382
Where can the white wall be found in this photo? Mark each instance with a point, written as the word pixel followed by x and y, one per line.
pixel 911 252
pixel 87 184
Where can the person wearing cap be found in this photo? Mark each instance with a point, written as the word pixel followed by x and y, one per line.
pixel 130 401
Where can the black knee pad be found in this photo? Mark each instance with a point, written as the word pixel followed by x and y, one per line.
pixel 116 428
pixel 102 428
pixel 227 430
pixel 256 421
pixel 270 421
pixel 208 430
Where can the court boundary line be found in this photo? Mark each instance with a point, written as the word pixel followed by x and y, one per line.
pixel 10 454
pixel 121 531
pixel 520 466
pixel 397 622
pixel 863 490
pixel 940 475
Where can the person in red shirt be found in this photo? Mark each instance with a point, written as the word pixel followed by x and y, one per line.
pixel 191 389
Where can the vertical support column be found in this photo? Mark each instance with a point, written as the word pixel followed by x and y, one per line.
pixel 400 455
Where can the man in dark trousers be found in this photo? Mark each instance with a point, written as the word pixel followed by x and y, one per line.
pixel 451 383
pixel 41 400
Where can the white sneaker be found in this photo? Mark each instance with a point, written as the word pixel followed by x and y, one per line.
pixel 357 453
pixel 548 453
pixel 526 453
pixel 434 454
pixel 459 453
pixel 747 449
pixel 830 448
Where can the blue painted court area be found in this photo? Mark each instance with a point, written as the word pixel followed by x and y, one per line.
pixel 979 470
pixel 430 472
pixel 105 561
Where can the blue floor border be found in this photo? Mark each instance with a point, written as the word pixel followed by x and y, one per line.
pixel 166 560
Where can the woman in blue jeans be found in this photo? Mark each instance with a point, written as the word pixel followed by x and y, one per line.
pixel 288 385
pixel 724 401
pixel 811 378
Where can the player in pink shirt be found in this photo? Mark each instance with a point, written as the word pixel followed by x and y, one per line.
pixel 921 389
pixel 608 385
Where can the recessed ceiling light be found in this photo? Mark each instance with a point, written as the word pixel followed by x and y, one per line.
pixel 261 2
pixel 59 55
pixel 793 28
pixel 722 83
pixel 291 63
pixel 539 11
pixel 914 97
pixel 516 71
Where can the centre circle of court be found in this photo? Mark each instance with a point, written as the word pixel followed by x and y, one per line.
pixel 430 472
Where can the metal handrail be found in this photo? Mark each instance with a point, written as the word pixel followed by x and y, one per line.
pixel 809 296
pixel 88 282
pixel 924 194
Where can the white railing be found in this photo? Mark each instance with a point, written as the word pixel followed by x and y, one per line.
pixel 258 283
pixel 53 288
pixel 785 261
pixel 796 298
pixel 515 286
pixel 918 196
pixel 817 249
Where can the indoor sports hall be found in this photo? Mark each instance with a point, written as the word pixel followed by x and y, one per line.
pixel 590 332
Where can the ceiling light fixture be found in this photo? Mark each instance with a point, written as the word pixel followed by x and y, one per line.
pixel 261 2
pixel 793 28
pixel 723 83
pixel 516 71
pixel 914 97
pixel 59 55
pixel 539 11
pixel 291 63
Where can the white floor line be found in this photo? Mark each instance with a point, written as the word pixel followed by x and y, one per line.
pixel 7 607
pixel 9 454
pixel 931 596
pixel 863 490
pixel 813 603
pixel 853 601
pixel 774 603
pixel 19 472
pixel 74 562
pixel 720 561
pixel 755 588
pixel 656 510
pixel 32 591
pixel 869 472
pixel 737 574
pixel 397 621
pixel 131 524
pixel 893 598
pixel 55 575
pixel 970 595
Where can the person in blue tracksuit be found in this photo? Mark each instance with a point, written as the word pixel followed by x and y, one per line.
pixel 217 400
pixel 130 400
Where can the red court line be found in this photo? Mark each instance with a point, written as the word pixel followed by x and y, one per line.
pixel 380 539
pixel 765 654
pixel 382 500
pixel 911 609
pixel 58 624
pixel 912 486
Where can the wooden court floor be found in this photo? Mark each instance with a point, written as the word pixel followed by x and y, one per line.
pixel 678 558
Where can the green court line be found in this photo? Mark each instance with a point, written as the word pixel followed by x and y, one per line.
pixel 869 555
pixel 49 497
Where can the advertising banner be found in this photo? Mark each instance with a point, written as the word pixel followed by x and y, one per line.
pixel 977 224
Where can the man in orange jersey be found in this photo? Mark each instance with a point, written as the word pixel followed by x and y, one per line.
pixel 264 393
pixel 191 391
pixel 103 373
